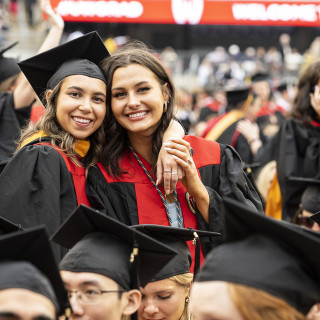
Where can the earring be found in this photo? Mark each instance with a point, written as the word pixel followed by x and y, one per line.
pixel 187 299
pixel 165 106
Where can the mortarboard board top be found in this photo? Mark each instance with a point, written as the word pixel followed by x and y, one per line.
pixel 176 238
pixel 27 262
pixel 45 70
pixel 8 66
pixel 275 256
pixel 100 244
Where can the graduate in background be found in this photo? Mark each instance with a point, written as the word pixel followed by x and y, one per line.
pixel 17 95
pixel 106 264
pixel 266 269
pixel 296 147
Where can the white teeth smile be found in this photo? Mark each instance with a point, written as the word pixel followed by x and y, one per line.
pixel 135 115
pixel 81 120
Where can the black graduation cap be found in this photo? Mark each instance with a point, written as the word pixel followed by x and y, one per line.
pixel 27 262
pixel 8 66
pixel 100 244
pixel 237 94
pixel 7 226
pixel 79 56
pixel 176 238
pixel 275 256
pixel 260 76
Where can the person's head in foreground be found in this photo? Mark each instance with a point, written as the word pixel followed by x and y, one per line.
pixel 266 269
pixel 30 283
pixel 70 83
pixel 105 264
pixel 166 296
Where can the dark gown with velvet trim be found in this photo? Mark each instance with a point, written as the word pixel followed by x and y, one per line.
pixel 132 199
pixel 296 148
pixel 36 188
pixel 11 122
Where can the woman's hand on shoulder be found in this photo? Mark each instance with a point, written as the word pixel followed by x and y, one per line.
pixel 168 171
pixel 182 153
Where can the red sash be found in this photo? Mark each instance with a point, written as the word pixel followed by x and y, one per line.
pixel 78 176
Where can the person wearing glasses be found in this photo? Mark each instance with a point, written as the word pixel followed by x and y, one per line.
pixel 106 264
pixel 310 205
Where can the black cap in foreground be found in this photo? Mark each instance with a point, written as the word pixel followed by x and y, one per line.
pixel 275 256
pixel 7 226
pixel 8 66
pixel 81 56
pixel 176 238
pixel 100 244
pixel 27 262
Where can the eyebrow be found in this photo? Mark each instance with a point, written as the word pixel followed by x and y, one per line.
pixel 85 283
pixel 136 85
pixel 82 90
pixel 11 315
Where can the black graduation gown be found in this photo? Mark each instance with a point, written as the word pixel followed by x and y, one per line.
pixel 11 122
pixel 37 188
pixel 296 149
pixel 132 198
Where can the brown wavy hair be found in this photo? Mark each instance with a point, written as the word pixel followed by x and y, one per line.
pixel 302 108
pixel 59 137
pixel 116 136
pixel 255 304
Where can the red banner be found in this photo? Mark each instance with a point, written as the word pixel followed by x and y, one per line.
pixel 245 12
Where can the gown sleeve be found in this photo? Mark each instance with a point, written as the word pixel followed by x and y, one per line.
pixel 37 189
pixel 226 180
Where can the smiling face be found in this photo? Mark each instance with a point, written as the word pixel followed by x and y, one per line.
pixel 81 105
pixel 137 100
pixel 164 299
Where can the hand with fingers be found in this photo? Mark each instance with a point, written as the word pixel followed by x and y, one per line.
pixel 182 153
pixel 54 18
pixel 168 170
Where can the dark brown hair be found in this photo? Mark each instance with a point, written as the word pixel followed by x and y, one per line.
pixel 116 136
pixel 302 108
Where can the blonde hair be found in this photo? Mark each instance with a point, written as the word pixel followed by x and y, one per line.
pixel 184 280
pixel 50 126
pixel 264 178
pixel 255 304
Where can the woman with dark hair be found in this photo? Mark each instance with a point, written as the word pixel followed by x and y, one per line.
pixel 140 104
